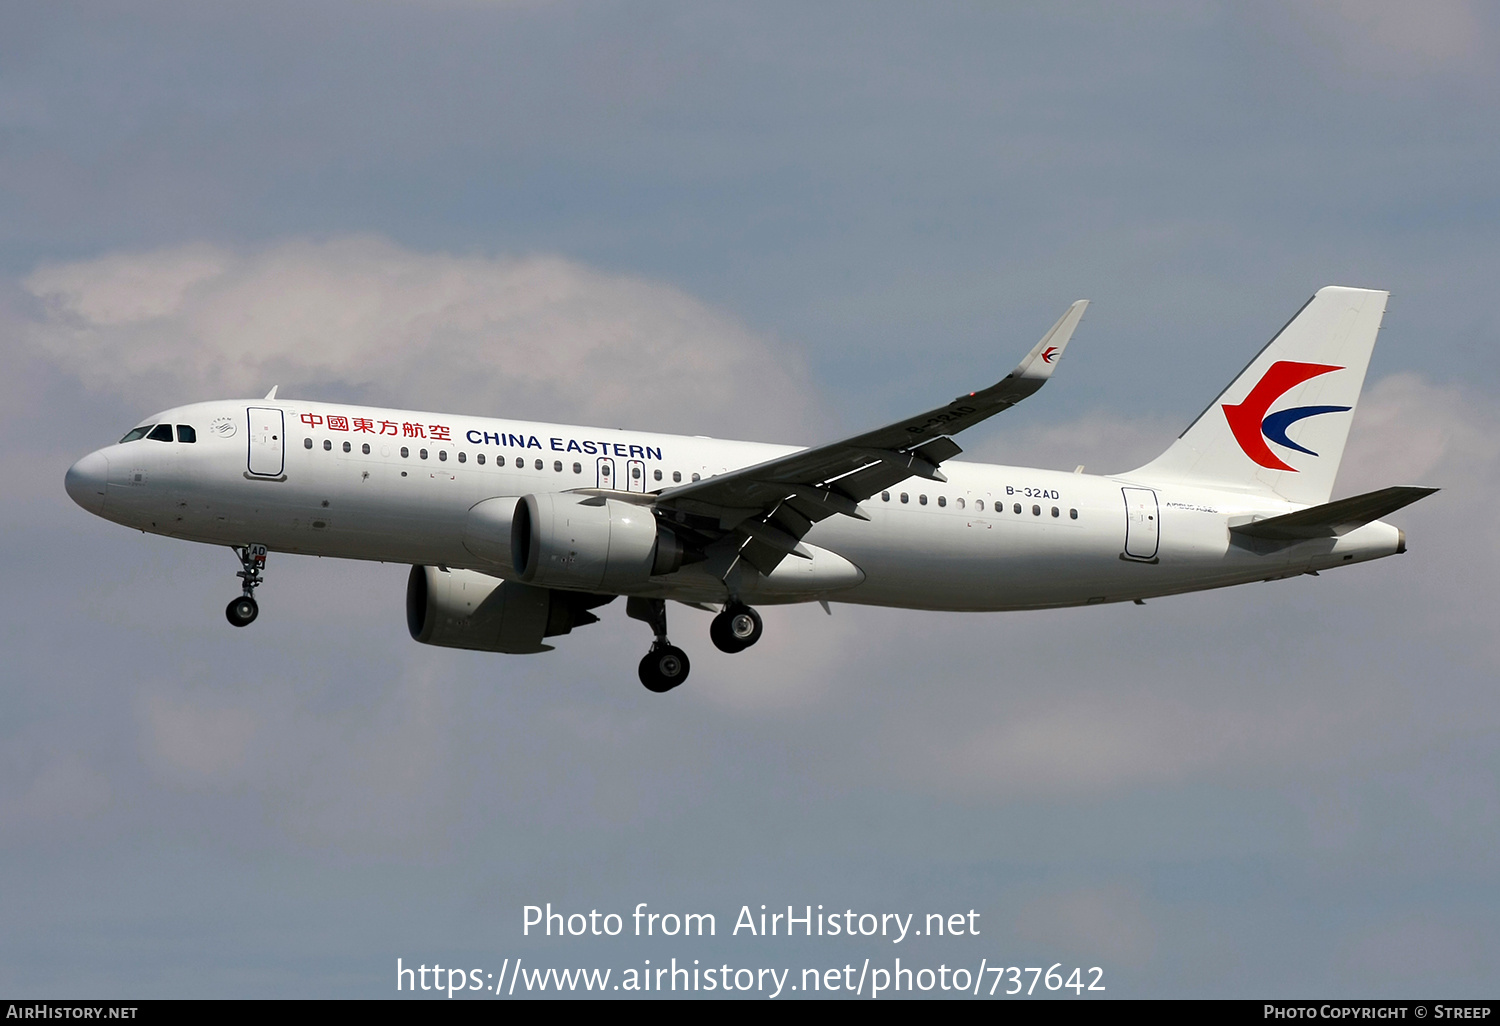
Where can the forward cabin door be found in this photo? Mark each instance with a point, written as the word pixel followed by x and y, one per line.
pixel 1142 523
pixel 267 457
pixel 606 474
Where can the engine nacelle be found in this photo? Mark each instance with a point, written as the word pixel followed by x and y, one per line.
pixel 560 540
pixel 464 609
pixel 487 532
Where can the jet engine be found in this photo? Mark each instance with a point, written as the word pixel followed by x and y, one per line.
pixel 464 609
pixel 560 540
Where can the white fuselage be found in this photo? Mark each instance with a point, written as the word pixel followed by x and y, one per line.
pixel 296 477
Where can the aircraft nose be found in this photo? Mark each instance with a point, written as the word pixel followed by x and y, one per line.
pixel 86 479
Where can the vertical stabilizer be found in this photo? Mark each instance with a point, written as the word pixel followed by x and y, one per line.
pixel 1280 427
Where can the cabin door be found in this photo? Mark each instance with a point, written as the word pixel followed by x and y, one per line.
pixel 267 457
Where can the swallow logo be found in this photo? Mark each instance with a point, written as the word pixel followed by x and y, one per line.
pixel 1048 354
pixel 1252 425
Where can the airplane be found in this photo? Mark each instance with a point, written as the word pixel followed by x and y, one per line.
pixel 517 531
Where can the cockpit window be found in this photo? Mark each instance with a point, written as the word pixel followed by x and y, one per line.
pixel 161 433
pixel 136 433
pixel 185 433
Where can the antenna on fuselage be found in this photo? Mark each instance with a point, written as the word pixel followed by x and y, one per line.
pixel 272 393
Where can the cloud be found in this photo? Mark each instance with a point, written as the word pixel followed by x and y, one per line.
pixel 193 743
pixel 1408 430
pixel 1439 35
pixel 536 337
pixel 1413 950
pixel 48 788
pixel 1108 922
pixel 1101 441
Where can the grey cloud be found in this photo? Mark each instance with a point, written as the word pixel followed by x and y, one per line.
pixel 1110 920
pixel 540 337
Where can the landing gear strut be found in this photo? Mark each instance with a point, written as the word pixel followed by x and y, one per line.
pixel 242 611
pixel 666 665
pixel 736 628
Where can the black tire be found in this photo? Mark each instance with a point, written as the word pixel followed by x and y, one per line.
pixel 242 611
pixel 663 668
pixel 736 629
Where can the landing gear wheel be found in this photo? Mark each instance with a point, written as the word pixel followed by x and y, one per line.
pixel 663 668
pixel 242 611
pixel 736 629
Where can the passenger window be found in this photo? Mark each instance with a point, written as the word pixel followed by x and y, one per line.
pixel 161 433
pixel 905 497
pixel 885 496
pixel 604 470
pixel 942 500
pixel 676 476
pixel 422 454
pixel 979 505
pixel 499 461
pixel 135 434
pixel 697 477
pixel 442 455
pixel 578 469
pixel 1036 511
pixel 327 445
pixel 557 466
pixel 539 464
pixel 186 433
pixel 635 473
pixel 480 459
pixel 463 457
pixel 657 474
pixel 922 499
pixel 307 443
pixel 1072 514
pixel 1055 511
pixel 365 448
pixel 348 447
pixel 960 502
pixel 1018 507
pixel 405 452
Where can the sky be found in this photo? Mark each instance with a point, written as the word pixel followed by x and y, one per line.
pixel 783 222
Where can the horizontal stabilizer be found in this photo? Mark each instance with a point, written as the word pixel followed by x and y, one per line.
pixel 1332 519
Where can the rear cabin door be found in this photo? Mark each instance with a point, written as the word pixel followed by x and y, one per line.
pixel 267 457
pixel 1142 523
pixel 606 475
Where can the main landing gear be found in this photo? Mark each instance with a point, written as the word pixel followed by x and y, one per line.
pixel 666 665
pixel 736 628
pixel 242 611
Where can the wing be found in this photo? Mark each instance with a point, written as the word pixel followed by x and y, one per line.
pixel 769 507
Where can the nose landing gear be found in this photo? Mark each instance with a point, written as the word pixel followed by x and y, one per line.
pixel 242 611
pixel 666 665
pixel 736 628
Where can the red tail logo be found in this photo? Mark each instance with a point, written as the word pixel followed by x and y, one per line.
pixel 1252 427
